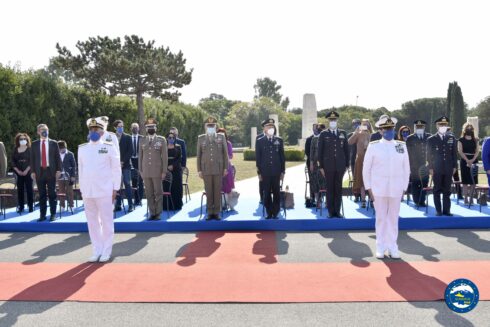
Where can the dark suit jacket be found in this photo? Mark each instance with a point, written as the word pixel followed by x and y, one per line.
pixel 69 164
pixel 417 153
pixel 269 157
pixel 183 151
pixel 307 149
pixel 53 157
pixel 126 150
pixel 333 151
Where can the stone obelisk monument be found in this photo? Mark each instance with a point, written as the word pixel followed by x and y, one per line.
pixel 309 117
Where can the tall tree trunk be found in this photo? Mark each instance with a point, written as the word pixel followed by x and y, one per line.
pixel 141 112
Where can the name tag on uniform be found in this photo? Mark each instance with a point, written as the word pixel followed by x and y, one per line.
pixel 103 150
pixel 450 141
pixel 276 142
pixel 399 148
pixel 109 138
pixel 158 144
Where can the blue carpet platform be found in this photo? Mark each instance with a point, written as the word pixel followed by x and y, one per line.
pixel 248 215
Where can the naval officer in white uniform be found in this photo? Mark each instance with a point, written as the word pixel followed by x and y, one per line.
pixel 99 171
pixel 386 173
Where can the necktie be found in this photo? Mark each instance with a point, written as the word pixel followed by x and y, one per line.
pixel 134 146
pixel 44 163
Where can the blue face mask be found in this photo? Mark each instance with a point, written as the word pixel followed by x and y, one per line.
pixel 120 130
pixel 405 134
pixel 316 132
pixel 389 134
pixel 44 134
pixel 94 136
pixel 171 141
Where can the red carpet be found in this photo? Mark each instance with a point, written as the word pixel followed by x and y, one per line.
pixel 237 267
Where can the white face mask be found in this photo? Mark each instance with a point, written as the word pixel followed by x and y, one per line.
pixel 270 131
pixel 419 131
pixel 333 124
pixel 211 130
pixel 442 129
pixel 363 128
pixel 23 142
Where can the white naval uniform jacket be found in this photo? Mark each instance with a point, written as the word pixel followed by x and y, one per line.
pixel 110 137
pixel 99 169
pixel 386 168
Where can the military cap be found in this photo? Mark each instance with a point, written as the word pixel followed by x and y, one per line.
pixel 420 122
pixel 94 122
pixel 210 121
pixel 443 120
pixel 268 121
pixel 386 121
pixel 332 115
pixel 150 122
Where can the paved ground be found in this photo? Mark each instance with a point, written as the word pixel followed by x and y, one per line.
pixel 332 246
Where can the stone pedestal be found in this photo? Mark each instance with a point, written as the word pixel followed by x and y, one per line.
pixel 309 117
pixel 253 136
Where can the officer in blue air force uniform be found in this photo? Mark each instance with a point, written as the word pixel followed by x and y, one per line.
pixel 333 155
pixel 271 166
pixel 99 171
pixel 443 162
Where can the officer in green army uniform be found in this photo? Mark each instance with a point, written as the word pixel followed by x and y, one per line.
pixel 212 165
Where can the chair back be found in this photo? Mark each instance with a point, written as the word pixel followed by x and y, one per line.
pixel 473 172
pixel 169 179
pixel 307 177
pixel 185 174
pixel 423 174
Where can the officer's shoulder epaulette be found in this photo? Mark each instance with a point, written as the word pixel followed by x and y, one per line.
pixel 201 136
pixel 83 144
pixel 374 142
pixel 107 143
pixel 399 141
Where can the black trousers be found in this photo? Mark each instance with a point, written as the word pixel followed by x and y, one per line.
pixel 310 178
pixel 417 196
pixel 137 181
pixel 24 184
pixel 334 191
pixel 46 185
pixel 442 185
pixel 261 191
pixel 272 194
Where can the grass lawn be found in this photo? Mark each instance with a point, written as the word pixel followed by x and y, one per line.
pixel 244 170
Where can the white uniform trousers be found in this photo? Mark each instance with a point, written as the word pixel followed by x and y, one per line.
pixel 99 212
pixel 387 213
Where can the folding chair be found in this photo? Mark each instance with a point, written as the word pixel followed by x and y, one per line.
pixel 3 204
pixel 185 183
pixel 120 194
pixel 476 189
pixel 423 174
pixel 63 196
pixel 168 194
pixel 307 181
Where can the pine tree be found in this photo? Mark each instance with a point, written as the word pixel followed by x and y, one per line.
pixel 456 108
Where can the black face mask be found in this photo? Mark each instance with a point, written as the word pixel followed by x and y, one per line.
pixel 135 131
pixel 151 131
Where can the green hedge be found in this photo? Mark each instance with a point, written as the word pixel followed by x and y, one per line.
pixel 291 154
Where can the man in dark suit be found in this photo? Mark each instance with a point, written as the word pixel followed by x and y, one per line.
pixel 271 167
pixel 333 155
pixel 136 180
pixel 307 153
pixel 125 150
pixel 180 142
pixel 68 174
pixel 46 169
pixel 417 154
pixel 443 161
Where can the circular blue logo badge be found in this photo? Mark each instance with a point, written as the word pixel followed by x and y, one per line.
pixel 461 295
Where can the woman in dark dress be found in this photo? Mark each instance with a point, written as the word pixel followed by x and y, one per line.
pixel 175 167
pixel 468 149
pixel 21 164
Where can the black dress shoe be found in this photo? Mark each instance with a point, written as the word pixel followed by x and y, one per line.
pixel 339 215
pixel 275 217
pixel 268 217
pixel 117 209
pixel 422 205
pixel 216 217
pixel 41 219
pixel 130 209
pixel 31 209
pixel 331 215
pixel 447 214
pixel 52 218
pixel 438 214
pixel 209 217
